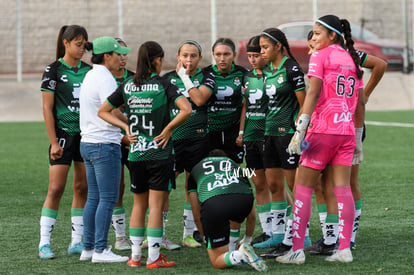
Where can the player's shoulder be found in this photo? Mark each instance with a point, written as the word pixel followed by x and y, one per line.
pixel 170 74
pixel 238 68
pixel 53 67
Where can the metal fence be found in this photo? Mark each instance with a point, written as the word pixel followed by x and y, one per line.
pixel 29 28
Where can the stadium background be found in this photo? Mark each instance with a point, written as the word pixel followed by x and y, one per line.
pixel 170 22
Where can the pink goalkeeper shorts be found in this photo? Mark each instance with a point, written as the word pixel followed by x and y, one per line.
pixel 327 149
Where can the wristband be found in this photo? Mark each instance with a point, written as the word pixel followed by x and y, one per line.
pixel 241 132
pixel 303 122
pixel 358 133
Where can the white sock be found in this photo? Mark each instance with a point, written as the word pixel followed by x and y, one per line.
pixel 278 221
pixel 46 228
pixel 235 257
pixel 322 218
pixel 77 229
pixel 332 233
pixel 234 238
pixel 154 244
pixel 356 224
pixel 119 225
pixel 288 234
pixel 136 247
pixel 189 224
pixel 266 222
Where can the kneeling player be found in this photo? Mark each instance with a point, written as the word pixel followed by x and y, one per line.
pixel 221 197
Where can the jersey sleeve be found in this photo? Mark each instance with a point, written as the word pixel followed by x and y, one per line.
pixel 209 80
pixel 116 99
pixel 49 78
pixel 295 76
pixel 316 65
pixel 171 90
pixel 362 56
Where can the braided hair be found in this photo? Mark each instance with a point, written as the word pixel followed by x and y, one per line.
pixel 342 26
pixel 277 36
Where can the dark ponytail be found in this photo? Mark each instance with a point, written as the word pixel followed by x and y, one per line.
pixel 350 46
pixel 69 33
pixel 147 53
pixel 277 36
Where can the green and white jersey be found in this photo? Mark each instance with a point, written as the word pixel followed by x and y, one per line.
pixel 65 82
pixel 196 125
pixel 121 80
pixel 281 84
pixel 256 106
pixel 147 108
pixel 215 176
pixel 225 108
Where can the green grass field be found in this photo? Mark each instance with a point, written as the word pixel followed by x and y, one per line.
pixel 384 243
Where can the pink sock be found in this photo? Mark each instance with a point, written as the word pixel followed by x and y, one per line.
pixel 301 213
pixel 346 209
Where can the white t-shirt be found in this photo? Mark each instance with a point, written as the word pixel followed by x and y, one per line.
pixel 97 85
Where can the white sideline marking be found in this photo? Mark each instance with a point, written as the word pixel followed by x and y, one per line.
pixel 396 124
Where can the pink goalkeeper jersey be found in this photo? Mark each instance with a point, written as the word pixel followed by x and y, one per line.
pixel 338 97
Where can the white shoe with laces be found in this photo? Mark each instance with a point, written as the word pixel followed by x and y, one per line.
pixel 107 256
pixel 122 243
pixel 292 257
pixel 343 256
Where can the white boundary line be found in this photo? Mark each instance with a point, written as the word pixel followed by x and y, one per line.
pixel 395 124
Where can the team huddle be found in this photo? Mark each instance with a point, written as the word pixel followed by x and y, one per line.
pixel 205 122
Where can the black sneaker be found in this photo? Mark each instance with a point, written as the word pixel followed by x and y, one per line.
pixel 259 239
pixel 280 250
pixel 197 236
pixel 320 248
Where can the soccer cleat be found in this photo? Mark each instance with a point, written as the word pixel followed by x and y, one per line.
pixel 292 257
pixel 75 249
pixel 280 250
pixel 161 262
pixel 133 262
pixel 274 240
pixel 86 255
pixel 251 258
pixel 320 248
pixel 261 238
pixel 190 242
pixel 122 243
pixel 45 252
pixel 353 245
pixel 197 237
pixel 169 245
pixel 107 256
pixel 343 256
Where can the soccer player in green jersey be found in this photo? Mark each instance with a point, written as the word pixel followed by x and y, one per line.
pixel 285 87
pixel 253 120
pixel 147 98
pixel 61 83
pixel 225 108
pixel 220 194
pixel 190 139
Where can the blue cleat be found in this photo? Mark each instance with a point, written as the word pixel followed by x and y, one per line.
pixel 274 240
pixel 75 249
pixel 45 252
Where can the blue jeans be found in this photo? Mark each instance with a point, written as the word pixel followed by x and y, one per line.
pixel 103 173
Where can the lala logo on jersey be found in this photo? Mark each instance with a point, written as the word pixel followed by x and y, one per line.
pixel 345 116
pixel 143 145
pixel 223 91
pixel 221 181
pixel 255 95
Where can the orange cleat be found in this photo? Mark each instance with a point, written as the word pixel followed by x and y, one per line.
pixel 161 262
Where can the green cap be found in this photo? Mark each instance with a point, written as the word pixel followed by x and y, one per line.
pixel 106 44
